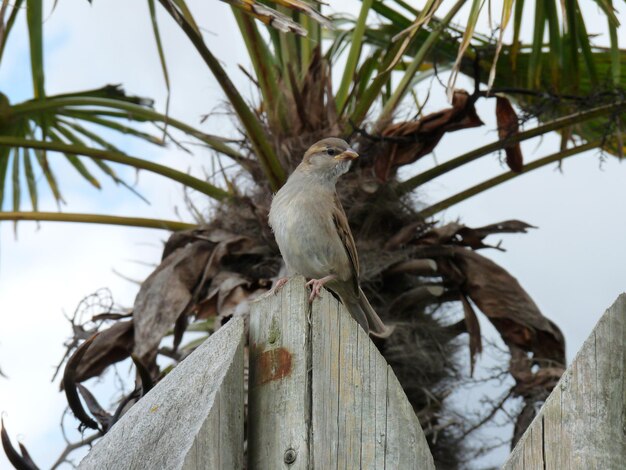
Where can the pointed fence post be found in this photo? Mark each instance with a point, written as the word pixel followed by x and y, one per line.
pixel 192 419
pixel 582 424
pixel 321 395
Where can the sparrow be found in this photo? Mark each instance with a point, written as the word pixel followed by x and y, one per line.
pixel 313 235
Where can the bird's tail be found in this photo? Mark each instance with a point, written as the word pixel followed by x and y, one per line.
pixel 366 316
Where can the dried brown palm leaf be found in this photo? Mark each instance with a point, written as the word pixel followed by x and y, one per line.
pixel 528 382
pixel 533 386
pixel 21 461
pixel 408 141
pixel 455 233
pixel 111 345
pixel 505 303
pixel 500 297
pixel 508 126
pixel 144 375
pixel 175 288
pixel 473 330
pixel 166 294
pixel 311 110
pixel 70 385
pixel 104 417
pixel 226 290
pixel 533 340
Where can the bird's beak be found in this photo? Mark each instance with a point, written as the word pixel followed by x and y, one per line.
pixel 347 155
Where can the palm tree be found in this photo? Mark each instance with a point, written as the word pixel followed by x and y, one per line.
pixel 212 267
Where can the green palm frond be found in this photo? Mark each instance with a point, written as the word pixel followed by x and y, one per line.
pixel 10 10
pixel 96 219
pixel 496 180
pixel 385 59
pixel 265 152
pixel 71 118
pixel 71 151
pixel 75 117
pixel 547 79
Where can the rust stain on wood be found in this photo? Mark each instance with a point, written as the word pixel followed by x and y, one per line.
pixel 273 364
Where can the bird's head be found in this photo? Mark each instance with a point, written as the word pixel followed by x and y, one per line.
pixel 328 158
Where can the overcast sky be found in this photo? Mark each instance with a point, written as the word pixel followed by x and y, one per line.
pixel 574 265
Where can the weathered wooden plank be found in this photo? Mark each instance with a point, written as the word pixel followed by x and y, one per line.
pixel 406 446
pixel 552 430
pixel 361 417
pixel 583 421
pixel 279 388
pixel 350 381
pixel 192 419
pixel 219 444
pixel 533 457
pixel 374 406
pixel 379 402
pixel 325 385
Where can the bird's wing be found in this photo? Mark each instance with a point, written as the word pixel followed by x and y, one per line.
pixel 343 230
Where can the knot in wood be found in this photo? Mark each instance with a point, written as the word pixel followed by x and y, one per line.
pixel 290 456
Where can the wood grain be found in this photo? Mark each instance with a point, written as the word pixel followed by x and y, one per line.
pixel 340 406
pixel 582 424
pixel 192 419
pixel 361 417
pixel 278 393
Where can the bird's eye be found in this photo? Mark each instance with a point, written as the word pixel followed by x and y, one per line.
pixel 331 152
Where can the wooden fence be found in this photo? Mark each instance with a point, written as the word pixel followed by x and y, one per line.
pixel 321 396
pixel 582 424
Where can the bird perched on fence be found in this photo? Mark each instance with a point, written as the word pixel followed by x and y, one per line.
pixel 312 231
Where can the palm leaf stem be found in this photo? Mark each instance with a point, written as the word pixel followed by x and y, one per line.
pixel 555 125
pixel 495 181
pixel 183 178
pixel 97 219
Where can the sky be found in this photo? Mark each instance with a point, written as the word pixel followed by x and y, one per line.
pixel 573 265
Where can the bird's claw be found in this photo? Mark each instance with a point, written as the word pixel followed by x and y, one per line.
pixel 316 286
pixel 279 283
